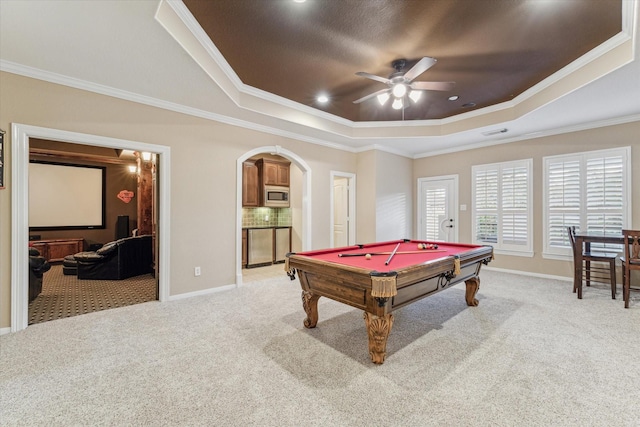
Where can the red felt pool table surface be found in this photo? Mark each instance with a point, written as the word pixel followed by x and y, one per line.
pixel 399 261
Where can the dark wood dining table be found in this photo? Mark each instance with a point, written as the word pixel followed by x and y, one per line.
pixel 583 243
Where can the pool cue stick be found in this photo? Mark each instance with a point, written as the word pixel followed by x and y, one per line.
pixel 392 254
pixel 397 253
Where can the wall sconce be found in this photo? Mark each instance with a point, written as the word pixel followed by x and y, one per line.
pixel 133 168
pixel 146 156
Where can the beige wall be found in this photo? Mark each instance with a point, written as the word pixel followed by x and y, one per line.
pixel 203 189
pixel 394 197
pixel 366 197
pixel 203 173
pixel 588 140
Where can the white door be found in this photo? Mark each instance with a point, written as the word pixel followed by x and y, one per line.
pixel 340 212
pixel 343 209
pixel 437 213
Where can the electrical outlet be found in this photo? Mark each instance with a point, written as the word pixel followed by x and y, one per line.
pixel 196 271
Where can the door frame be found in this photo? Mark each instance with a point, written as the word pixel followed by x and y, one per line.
pixel 351 179
pixel 20 135
pixel 454 214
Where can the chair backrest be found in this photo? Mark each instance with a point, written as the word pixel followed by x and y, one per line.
pixel 572 238
pixel 632 245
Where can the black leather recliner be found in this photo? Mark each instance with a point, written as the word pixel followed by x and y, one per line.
pixel 120 259
pixel 37 267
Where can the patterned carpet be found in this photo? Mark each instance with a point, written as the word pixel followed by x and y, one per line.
pixel 66 296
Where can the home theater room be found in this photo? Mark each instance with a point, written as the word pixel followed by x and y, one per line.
pixel 319 212
pixel 84 205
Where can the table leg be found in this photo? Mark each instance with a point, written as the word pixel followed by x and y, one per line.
pixel 473 285
pixel 310 305
pixel 378 328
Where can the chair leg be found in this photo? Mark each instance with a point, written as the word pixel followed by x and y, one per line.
pixel 612 268
pixel 626 285
pixel 588 272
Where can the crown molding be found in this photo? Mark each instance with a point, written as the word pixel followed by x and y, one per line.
pixel 183 13
pixel 35 73
pixel 535 135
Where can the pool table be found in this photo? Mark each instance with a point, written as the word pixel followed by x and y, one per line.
pixel 371 278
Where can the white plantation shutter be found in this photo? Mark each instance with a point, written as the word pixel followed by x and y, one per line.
pixel 502 206
pixel 563 195
pixel 604 201
pixel 486 205
pixel 585 190
pixel 515 204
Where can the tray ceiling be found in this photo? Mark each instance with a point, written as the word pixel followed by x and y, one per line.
pixel 494 50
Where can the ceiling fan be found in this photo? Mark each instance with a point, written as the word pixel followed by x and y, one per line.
pixel 401 83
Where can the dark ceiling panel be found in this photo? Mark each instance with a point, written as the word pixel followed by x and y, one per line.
pixel 492 49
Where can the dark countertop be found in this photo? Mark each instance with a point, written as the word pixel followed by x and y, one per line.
pixel 266 226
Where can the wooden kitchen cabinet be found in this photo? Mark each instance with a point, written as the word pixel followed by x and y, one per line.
pixel 274 172
pixel 250 185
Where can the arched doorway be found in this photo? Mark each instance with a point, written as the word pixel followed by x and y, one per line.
pixel 306 198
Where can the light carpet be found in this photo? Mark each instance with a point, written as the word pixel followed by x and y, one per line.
pixel 530 354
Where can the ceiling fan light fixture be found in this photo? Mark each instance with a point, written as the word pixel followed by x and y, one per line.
pixel 383 98
pixel 415 95
pixel 399 90
pixel 397 104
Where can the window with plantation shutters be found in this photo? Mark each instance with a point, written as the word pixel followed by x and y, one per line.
pixel 502 206
pixel 589 191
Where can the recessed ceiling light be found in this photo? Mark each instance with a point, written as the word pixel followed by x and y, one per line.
pixel 323 99
pixel 454 98
pixel 299 1
pixel 469 105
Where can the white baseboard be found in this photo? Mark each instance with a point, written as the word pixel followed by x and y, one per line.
pixel 203 292
pixel 4 331
pixel 528 273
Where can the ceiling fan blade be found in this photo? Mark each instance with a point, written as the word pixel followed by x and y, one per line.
pixel 373 77
pixel 421 66
pixel 371 95
pixel 432 85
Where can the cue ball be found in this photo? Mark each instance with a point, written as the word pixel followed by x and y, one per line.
pixel 421 246
pixel 368 256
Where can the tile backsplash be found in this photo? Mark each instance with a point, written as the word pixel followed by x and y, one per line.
pixel 266 217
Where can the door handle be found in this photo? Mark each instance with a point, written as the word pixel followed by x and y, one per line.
pixel 443 226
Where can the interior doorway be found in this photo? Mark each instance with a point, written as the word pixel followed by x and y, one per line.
pixel 343 207
pixel 21 135
pixel 305 200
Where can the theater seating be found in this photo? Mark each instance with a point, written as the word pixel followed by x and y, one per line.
pixel 120 259
pixel 37 267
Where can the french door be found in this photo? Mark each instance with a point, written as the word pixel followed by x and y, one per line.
pixel 437 213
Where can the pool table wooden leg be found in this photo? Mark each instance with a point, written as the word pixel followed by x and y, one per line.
pixel 473 285
pixel 310 305
pixel 378 329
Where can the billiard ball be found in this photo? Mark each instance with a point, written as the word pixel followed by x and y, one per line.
pixel 367 256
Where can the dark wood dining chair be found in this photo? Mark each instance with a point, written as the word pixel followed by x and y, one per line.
pixel 591 271
pixel 630 261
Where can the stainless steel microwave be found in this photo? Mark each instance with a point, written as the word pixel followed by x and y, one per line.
pixel 276 196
